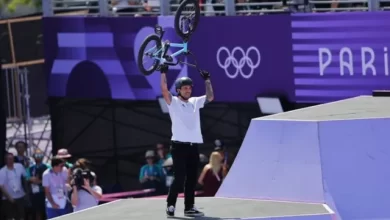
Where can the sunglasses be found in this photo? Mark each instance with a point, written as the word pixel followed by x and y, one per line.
pixel 39 156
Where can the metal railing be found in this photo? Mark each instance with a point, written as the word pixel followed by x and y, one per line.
pixel 339 5
pixel 210 7
pixel 13 94
pixel 384 5
pixel 17 105
pixel 76 5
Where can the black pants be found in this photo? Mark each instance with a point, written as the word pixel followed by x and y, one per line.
pixel 15 210
pixel 185 158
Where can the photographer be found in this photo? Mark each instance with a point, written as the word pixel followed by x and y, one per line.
pixel 85 194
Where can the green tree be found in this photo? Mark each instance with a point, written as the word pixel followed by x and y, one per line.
pixel 11 5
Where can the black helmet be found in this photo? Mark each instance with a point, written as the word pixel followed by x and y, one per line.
pixel 183 81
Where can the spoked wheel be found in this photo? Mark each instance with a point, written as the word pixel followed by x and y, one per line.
pixel 187 18
pixel 148 55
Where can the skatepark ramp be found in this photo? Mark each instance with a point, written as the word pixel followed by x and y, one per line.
pixel 336 153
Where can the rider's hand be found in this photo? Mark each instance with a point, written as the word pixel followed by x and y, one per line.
pixel 163 68
pixel 204 74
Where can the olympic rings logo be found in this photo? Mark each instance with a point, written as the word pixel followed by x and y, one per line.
pixel 239 64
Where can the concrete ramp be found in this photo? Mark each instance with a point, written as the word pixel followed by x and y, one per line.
pixel 275 153
pixel 336 153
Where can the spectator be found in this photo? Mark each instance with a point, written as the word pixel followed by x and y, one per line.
pixel 87 196
pixel 162 154
pixel 85 164
pixel 150 174
pixel 208 7
pixel 21 148
pixel 168 172
pixel 54 182
pixel 13 188
pixel 152 5
pixel 203 160
pixel 65 155
pixel 34 176
pixel 128 7
pixel 212 176
pixel 220 148
pixel 243 9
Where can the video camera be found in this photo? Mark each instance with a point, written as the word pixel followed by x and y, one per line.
pixel 79 175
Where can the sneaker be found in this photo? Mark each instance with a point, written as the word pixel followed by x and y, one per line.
pixel 171 211
pixel 193 212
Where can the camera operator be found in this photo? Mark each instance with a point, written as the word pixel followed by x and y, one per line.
pixel 85 193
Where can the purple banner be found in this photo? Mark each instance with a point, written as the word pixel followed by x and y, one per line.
pixel 340 55
pixel 312 58
pixel 96 57
pixel 247 56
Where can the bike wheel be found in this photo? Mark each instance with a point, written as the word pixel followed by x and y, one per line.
pixel 149 52
pixel 187 18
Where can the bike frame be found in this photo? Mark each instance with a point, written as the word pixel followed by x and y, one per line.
pixel 183 46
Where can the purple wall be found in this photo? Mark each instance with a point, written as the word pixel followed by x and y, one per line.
pixel 355 158
pixel 278 160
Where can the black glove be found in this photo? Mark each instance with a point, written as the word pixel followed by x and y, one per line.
pixel 204 74
pixel 163 68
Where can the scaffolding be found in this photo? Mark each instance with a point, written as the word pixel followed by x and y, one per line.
pixel 36 132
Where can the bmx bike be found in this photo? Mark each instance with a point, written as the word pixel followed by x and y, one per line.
pixel 185 23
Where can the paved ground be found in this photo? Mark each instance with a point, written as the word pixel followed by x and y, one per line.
pixel 215 208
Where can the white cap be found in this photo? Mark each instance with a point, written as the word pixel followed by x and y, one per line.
pixel 149 153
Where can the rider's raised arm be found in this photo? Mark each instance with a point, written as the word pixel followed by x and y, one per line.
pixel 164 85
pixel 209 89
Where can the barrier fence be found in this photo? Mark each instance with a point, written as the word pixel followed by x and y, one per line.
pixel 312 58
pixel 210 7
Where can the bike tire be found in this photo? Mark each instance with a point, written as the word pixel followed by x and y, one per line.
pixel 141 52
pixel 180 9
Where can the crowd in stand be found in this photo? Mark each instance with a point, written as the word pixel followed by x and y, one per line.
pixel 32 189
pixel 157 173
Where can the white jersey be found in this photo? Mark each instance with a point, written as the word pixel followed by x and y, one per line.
pixel 185 117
